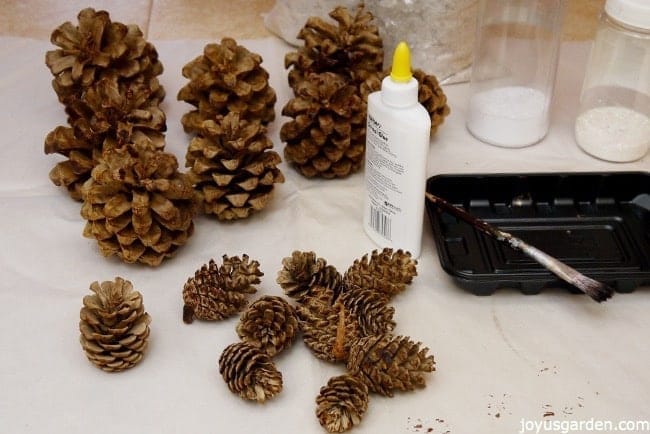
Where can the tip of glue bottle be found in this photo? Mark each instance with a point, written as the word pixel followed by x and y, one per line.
pixel 401 69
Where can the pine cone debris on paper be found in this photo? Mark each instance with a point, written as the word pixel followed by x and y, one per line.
pixel 270 323
pixel 249 372
pixel 342 403
pixel 304 270
pixel 386 271
pixel 218 292
pixel 386 363
pixel 114 326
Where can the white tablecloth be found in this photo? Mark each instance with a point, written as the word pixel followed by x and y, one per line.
pixel 499 358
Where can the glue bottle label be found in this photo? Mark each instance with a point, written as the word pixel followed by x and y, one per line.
pixel 383 169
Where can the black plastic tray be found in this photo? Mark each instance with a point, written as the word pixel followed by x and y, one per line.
pixel 599 223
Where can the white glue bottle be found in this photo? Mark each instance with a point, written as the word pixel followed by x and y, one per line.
pixel 397 148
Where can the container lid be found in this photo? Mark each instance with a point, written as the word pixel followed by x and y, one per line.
pixel 635 13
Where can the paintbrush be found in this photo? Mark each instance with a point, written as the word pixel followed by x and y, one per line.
pixel 596 290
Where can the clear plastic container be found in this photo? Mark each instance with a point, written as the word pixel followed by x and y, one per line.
pixel 613 121
pixel 513 74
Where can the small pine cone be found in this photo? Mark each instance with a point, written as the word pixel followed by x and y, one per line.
pixel 386 271
pixel 114 326
pixel 326 135
pixel 342 403
pixel 370 309
pixel 432 97
pixel 96 45
pixel 218 292
pixel 303 271
pixel 226 78
pixel 249 372
pixel 137 205
pixel 82 156
pixel 233 167
pixel 387 363
pixel 270 323
pixel 352 47
pixel 328 329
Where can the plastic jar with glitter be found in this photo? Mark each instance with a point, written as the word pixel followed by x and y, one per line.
pixel 513 73
pixel 613 122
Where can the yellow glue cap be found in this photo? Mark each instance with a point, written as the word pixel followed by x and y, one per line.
pixel 401 70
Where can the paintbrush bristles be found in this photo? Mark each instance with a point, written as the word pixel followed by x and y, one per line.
pixel 594 289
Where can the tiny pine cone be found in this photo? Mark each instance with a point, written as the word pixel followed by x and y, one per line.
pixel 270 323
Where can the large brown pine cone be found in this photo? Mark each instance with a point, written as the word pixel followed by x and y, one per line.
pixel 352 47
pixel 114 326
pixel 270 323
pixel 92 47
pixel 218 292
pixel 342 403
pixel 82 156
pixel 326 136
pixel 249 372
pixel 233 167
pixel 110 108
pixel 303 271
pixel 430 95
pixel 137 205
pixel 226 78
pixel 386 271
pixel 386 363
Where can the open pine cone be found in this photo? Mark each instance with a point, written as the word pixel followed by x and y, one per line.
pixel 352 47
pixel 226 78
pixel 328 329
pixel 430 95
pixel 218 292
pixel 233 167
pixel 82 156
pixel 270 323
pixel 386 271
pixel 114 326
pixel 341 404
pixel 370 309
pixel 96 45
pixel 326 136
pixel 249 372
pixel 303 271
pixel 110 108
pixel 386 363
pixel 137 205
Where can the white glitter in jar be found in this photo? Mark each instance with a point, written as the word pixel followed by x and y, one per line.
pixel 511 116
pixel 613 133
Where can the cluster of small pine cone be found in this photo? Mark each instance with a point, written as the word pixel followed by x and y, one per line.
pixel 344 318
pixel 348 318
pixel 331 75
pixel 136 203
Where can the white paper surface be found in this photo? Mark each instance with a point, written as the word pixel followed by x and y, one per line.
pixel 515 355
